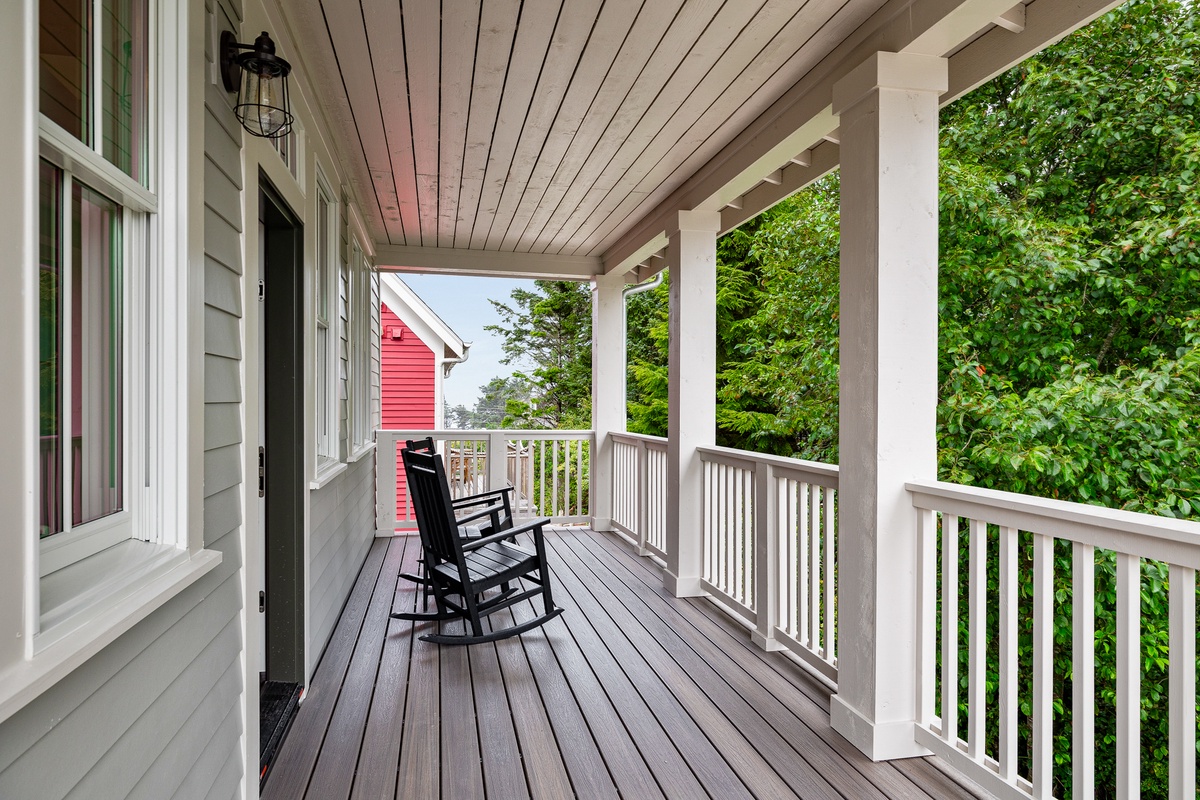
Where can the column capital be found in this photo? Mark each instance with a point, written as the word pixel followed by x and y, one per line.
pixel 707 221
pixel 882 70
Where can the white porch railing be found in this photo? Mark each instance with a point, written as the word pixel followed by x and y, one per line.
pixel 770 529
pixel 1009 747
pixel 640 491
pixel 548 469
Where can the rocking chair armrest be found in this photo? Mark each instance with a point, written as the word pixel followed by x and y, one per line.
pixel 482 497
pixel 533 525
pixel 490 511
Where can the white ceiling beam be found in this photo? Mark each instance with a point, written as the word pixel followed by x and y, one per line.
pixel 803 116
pixel 625 260
pixel 456 261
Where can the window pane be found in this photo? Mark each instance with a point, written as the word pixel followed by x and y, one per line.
pixel 96 412
pixel 322 257
pixel 322 380
pixel 50 488
pixel 124 73
pixel 64 77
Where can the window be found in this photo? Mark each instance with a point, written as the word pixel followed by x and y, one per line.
pixel 325 334
pixel 94 78
pixel 93 94
pixel 108 538
pixel 360 432
pixel 81 364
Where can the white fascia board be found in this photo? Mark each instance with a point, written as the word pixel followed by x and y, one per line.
pixel 420 318
pixel 803 116
pixel 488 263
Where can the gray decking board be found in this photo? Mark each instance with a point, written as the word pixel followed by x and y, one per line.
pixel 630 692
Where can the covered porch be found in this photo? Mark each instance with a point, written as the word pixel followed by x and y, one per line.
pixel 631 693
pixel 906 598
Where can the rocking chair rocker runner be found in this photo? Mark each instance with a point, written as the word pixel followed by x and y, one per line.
pixel 467 569
pixel 496 506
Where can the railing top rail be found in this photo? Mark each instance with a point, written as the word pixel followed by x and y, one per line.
pixel 825 474
pixel 482 433
pixel 1175 541
pixel 634 438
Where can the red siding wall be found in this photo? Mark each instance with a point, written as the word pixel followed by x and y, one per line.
pixel 406 388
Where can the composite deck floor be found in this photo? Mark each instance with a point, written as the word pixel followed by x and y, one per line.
pixel 630 693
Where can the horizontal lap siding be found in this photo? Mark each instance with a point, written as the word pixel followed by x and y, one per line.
pixel 343 526
pixel 407 393
pixel 156 713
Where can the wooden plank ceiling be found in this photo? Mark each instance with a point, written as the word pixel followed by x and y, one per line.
pixel 547 126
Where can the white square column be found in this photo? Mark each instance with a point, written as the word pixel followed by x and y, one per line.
pixel 692 392
pixel 608 391
pixel 888 109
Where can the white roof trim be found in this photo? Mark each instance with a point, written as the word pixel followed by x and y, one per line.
pixel 429 327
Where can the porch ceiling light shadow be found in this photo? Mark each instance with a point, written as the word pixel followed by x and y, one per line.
pixel 260 79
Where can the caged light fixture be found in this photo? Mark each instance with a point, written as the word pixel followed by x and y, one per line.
pixel 260 79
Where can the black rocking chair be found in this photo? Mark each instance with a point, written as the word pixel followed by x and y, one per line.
pixel 467 569
pixel 494 504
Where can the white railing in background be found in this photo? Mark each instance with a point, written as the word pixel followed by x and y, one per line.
pixel 1023 531
pixel 548 469
pixel 640 491
pixel 770 549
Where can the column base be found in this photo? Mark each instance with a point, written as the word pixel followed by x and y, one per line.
pixel 682 587
pixel 878 741
pixel 765 642
pixel 601 524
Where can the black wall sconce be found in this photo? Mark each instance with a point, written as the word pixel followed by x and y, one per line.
pixel 260 79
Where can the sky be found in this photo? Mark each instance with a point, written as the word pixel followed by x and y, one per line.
pixel 462 303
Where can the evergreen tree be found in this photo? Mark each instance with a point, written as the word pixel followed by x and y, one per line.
pixel 548 332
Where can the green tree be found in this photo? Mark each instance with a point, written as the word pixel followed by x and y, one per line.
pixel 548 333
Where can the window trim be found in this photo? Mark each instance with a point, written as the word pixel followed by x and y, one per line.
pixel 326 456
pixel 359 436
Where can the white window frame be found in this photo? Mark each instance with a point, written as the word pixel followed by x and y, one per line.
pixel 359 433
pixel 325 395
pixel 69 615
pixel 77 166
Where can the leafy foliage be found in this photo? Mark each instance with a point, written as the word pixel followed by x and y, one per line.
pixel 548 331
pixel 1069 315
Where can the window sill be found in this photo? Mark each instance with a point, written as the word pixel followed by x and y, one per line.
pixel 87 605
pixel 362 452
pixel 326 473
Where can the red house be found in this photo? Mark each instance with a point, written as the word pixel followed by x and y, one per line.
pixel 417 352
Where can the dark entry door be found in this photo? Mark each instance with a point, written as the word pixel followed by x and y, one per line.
pixel 283 437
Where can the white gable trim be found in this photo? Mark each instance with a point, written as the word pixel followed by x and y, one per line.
pixel 421 319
